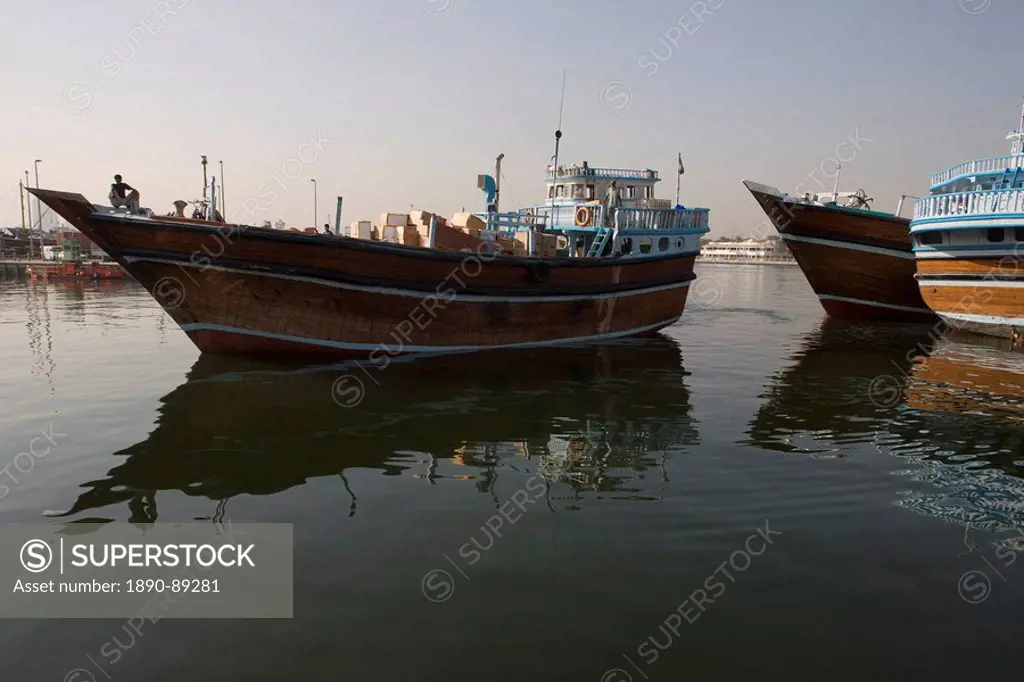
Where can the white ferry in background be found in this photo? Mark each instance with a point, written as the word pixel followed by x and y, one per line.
pixel 968 240
pixel 746 251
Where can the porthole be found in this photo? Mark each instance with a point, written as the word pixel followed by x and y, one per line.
pixel 679 243
pixel 663 244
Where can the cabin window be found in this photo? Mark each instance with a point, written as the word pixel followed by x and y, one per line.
pixel 645 245
pixel 1018 233
pixel 590 192
pixel 551 192
pixel 930 238
pixel 995 234
pixel 663 244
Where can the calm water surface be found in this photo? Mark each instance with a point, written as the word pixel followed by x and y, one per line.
pixel 882 479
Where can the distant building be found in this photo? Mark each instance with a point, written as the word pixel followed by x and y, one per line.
pixel 767 251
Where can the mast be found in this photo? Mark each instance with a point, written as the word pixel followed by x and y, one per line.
pixel 29 233
pixel 223 208
pixel 1017 136
pixel 497 181
pixel 558 131
pixel 21 194
pixel 835 187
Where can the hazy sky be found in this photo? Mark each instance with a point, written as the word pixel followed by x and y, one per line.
pixel 411 99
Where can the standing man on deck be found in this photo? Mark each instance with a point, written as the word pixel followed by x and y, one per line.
pixel 611 202
pixel 117 195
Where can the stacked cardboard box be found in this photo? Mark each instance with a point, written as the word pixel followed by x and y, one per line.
pixel 469 223
pixel 448 238
pixel 360 229
pixel 545 244
pixel 410 236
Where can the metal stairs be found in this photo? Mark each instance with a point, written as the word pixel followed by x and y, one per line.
pixel 600 241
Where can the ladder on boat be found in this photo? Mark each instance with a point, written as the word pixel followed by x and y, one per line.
pixel 600 241
pixel 1009 178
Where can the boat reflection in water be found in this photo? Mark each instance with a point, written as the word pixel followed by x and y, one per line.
pixel 842 385
pixel 953 411
pixel 595 419
pixel 968 400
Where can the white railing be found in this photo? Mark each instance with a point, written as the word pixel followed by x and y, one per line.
pixel 658 219
pixel 970 203
pixel 992 165
pixel 564 217
pixel 580 171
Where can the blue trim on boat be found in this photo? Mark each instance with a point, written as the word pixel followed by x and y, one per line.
pixel 966 218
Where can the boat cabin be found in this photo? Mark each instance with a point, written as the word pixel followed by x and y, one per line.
pixel 573 184
pixel 576 213
pixel 976 204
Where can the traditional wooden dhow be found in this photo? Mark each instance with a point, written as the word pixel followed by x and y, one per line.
pixel 858 261
pixel 969 243
pixel 624 268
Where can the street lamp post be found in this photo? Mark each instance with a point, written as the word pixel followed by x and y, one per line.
pixel 39 208
pixel 313 180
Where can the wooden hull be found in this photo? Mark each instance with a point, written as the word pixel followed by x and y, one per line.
pixel 254 291
pixel 977 295
pixel 859 263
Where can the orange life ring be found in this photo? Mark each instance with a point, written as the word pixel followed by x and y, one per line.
pixel 582 216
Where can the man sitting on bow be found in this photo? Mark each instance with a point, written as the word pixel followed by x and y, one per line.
pixel 117 195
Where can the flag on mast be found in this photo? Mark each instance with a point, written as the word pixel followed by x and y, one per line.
pixel 680 163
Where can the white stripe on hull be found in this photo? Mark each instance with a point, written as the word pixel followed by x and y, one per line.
pixel 895 253
pixel 875 304
pixel 952 253
pixel 985 319
pixel 410 293
pixel 343 345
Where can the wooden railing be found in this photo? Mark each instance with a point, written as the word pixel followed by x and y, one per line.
pixel 970 203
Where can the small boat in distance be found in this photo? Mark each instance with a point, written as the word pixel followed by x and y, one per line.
pixel 857 260
pixel 581 272
pixel 969 241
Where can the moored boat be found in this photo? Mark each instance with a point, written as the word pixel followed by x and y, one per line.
pixel 968 238
pixel 858 261
pixel 624 269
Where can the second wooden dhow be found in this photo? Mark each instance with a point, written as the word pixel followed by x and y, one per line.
pixel 969 243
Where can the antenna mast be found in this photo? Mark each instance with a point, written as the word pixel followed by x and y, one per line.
pixel 558 132
pixel 1017 136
